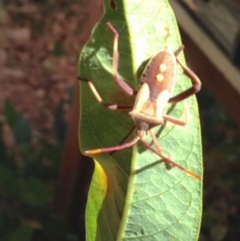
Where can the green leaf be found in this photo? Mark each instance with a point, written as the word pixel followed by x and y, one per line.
pixel 10 112
pixel 21 129
pixel 8 182
pixel 34 193
pixel 23 233
pixel 133 194
pixel 58 49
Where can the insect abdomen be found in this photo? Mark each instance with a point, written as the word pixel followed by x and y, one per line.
pixel 159 73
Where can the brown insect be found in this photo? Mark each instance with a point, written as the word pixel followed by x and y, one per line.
pixel 158 80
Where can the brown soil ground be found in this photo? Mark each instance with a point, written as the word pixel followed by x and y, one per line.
pixel 40 45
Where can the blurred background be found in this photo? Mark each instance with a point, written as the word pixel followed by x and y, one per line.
pixel 43 177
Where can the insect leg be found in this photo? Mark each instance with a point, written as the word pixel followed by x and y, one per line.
pixel 126 137
pixel 178 51
pixel 113 148
pixel 160 153
pixel 100 100
pixel 128 134
pixel 176 120
pixel 190 91
pixel 118 80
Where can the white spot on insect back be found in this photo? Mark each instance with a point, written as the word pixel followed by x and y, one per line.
pixel 160 77
pixel 162 67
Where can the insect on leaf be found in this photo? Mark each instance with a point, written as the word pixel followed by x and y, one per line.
pixel 134 194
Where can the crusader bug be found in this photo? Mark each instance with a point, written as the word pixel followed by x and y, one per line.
pixel 158 80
